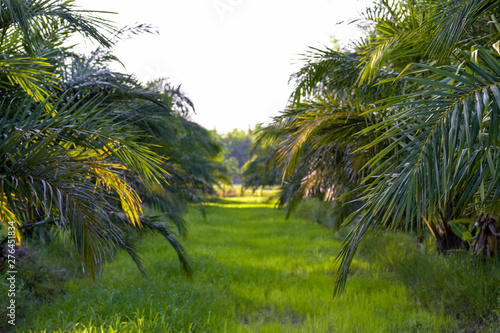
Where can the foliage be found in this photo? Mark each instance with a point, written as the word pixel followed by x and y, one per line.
pixel 401 130
pixel 439 166
pixel 258 171
pixel 84 147
pixel 466 289
pixel 249 162
pixel 236 145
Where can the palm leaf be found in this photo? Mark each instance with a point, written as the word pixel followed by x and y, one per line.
pixel 447 145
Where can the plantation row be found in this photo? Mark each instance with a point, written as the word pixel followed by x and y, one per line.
pixel 84 147
pixel 400 130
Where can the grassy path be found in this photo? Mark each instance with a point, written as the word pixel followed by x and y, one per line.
pixel 254 272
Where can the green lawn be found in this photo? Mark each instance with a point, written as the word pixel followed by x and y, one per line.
pixel 254 272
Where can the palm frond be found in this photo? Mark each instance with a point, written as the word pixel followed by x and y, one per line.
pixel 462 22
pixel 441 161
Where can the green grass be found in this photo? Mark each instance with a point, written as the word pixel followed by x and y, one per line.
pixel 235 190
pixel 254 272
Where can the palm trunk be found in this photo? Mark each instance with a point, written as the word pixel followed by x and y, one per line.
pixel 447 240
pixel 488 240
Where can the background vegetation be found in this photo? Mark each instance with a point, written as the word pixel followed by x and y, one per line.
pixel 394 141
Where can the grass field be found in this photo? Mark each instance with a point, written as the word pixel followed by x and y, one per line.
pixel 254 272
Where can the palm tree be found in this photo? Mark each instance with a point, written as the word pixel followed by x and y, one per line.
pixel 33 32
pixel 158 111
pixel 425 136
pixel 439 171
pixel 67 169
pixel 317 149
pixel 84 157
pixel 448 135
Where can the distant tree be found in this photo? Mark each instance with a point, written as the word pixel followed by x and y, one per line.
pixel 259 171
pixel 237 145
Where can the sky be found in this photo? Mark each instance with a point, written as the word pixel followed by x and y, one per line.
pixel 232 57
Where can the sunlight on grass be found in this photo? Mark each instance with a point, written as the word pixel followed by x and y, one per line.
pixel 243 202
pixel 254 272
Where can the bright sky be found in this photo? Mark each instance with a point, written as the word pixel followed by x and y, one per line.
pixel 233 57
